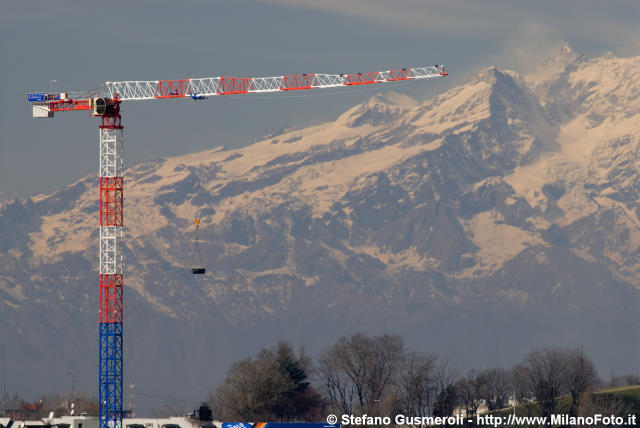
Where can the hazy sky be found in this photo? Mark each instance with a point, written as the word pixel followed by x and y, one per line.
pixel 82 44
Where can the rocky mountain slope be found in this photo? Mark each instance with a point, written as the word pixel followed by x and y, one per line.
pixel 495 217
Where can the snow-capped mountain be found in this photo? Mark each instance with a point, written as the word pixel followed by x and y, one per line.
pixel 497 216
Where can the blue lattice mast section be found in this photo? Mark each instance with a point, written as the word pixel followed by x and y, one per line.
pixel 111 267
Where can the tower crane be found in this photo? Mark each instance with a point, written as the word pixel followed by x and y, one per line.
pixel 104 103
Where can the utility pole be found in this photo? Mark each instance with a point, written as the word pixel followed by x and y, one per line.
pixel 4 374
pixel 581 370
pixel 73 385
pixel 132 400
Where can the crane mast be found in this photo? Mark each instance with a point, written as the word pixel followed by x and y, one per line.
pixel 104 103
pixel 111 269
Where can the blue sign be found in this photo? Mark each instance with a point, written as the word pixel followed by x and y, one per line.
pixel 35 96
pixel 236 425
pixel 300 425
pixel 279 425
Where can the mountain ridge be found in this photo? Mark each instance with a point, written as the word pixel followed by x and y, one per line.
pixel 505 204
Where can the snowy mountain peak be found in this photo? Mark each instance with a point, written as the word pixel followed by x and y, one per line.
pixel 543 77
pixel 393 98
pixel 493 94
pixel 606 86
pixel 559 60
pixel 490 207
pixel 379 109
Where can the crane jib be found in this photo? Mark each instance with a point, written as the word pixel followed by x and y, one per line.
pixel 172 88
pixel 212 86
pixel 201 88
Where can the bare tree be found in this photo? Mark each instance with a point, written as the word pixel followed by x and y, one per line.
pixel 470 392
pixel 542 375
pixel 547 373
pixel 579 375
pixel 446 395
pixel 387 358
pixel 445 402
pixel 250 390
pixel 340 390
pixel 495 386
pixel 416 386
pixel 522 391
pixel 358 371
pixel 271 386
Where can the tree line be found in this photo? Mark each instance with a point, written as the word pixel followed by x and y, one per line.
pixel 14 406
pixel 378 376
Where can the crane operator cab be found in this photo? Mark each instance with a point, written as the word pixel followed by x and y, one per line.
pixel 199 269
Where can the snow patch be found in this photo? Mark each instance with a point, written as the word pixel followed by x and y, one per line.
pixel 498 242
